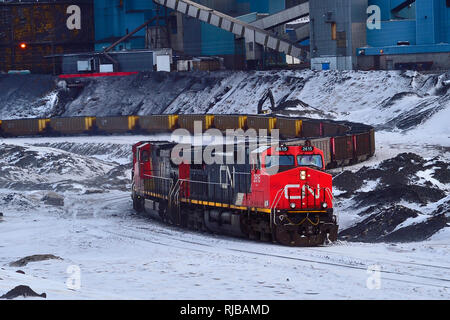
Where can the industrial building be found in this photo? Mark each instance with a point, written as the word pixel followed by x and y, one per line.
pixel 410 34
pixel 191 35
pixel 337 29
pixel 44 37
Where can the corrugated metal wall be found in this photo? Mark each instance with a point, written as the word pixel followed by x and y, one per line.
pixel 213 41
pixel 425 22
pixel 115 18
pixel 338 29
pixel 216 41
pixel 391 32
pixel 192 36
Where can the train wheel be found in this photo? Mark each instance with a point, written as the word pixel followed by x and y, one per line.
pixel 290 237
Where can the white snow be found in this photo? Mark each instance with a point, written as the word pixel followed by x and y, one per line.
pixel 129 257
pixel 369 185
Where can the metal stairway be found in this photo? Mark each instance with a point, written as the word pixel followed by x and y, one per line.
pixel 235 26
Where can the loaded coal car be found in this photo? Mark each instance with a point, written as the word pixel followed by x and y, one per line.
pixel 158 123
pixel 270 193
pixel 224 122
pixel 261 123
pixel 73 125
pixel 289 127
pixel 24 127
pixel 188 121
pixel 117 124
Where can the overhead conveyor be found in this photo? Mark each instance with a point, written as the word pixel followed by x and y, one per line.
pixel 235 26
pixel 301 32
pixel 402 6
pixel 282 17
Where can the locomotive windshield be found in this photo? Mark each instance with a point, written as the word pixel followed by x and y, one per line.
pixel 310 160
pixel 279 161
pixel 284 162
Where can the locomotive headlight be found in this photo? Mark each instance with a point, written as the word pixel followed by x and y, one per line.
pixel 303 175
pixel 292 205
pixel 324 205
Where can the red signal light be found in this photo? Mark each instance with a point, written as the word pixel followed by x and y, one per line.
pixel 23 45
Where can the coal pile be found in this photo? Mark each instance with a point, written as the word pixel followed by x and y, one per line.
pixel 41 168
pixel 22 291
pixel 408 200
pixel 34 258
pixel 378 225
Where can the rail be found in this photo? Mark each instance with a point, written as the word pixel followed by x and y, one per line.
pixel 275 202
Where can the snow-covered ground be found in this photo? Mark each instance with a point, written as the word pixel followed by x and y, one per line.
pixel 121 255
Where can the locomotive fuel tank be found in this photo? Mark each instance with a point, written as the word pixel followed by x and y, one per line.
pixel 225 222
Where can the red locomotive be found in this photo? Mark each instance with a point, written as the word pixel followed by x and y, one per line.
pixel 277 193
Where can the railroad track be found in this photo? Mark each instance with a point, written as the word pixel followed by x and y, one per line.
pixel 337 256
pixel 386 271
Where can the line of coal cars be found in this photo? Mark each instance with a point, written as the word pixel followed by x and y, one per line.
pixel 343 143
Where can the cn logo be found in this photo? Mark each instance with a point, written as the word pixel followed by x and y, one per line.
pixel 303 193
pixel 74 20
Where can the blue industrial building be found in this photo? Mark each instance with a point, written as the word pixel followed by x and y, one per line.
pixel 380 34
pixel 186 35
pixel 412 33
pixel 116 18
pixel 330 34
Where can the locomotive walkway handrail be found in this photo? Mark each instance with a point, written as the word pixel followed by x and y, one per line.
pixel 274 205
pixel 152 176
pixel 204 182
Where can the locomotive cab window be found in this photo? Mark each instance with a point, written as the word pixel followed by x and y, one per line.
pixel 284 162
pixel 310 160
